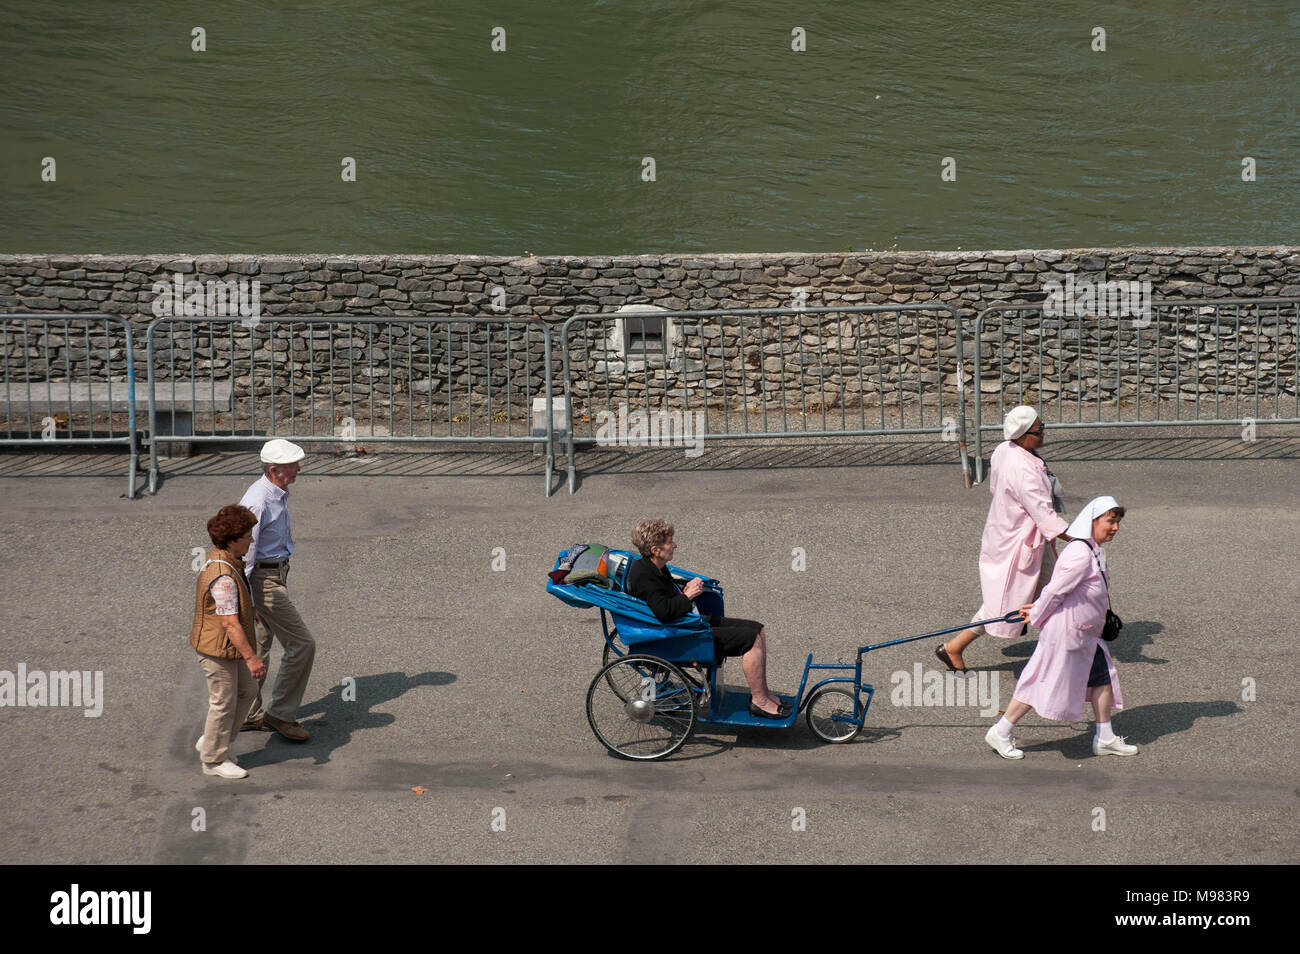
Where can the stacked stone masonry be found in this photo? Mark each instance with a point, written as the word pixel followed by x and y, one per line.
pixel 826 360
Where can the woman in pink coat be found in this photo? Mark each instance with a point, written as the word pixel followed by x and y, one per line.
pixel 1071 663
pixel 1017 549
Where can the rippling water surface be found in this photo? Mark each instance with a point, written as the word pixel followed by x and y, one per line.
pixel 540 148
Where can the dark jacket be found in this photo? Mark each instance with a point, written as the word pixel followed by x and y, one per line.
pixel 647 582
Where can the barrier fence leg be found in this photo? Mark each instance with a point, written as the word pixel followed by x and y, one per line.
pixel 132 468
pixel 547 346
pixel 550 465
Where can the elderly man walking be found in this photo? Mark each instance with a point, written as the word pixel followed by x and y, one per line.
pixel 1018 549
pixel 267 565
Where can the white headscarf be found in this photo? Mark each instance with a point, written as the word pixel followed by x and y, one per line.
pixel 1081 528
pixel 1018 420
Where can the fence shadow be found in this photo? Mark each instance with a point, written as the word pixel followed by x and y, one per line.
pixel 816 453
pixel 1182 447
pixel 496 461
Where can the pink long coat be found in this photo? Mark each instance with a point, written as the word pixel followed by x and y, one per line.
pixel 1071 611
pixel 1020 524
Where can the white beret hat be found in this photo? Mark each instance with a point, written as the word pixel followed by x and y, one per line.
pixel 1018 420
pixel 281 451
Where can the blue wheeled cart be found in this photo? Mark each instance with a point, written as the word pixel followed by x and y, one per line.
pixel 658 680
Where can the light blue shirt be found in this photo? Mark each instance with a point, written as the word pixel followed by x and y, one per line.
pixel 272 541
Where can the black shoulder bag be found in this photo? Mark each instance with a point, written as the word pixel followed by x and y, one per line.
pixel 1110 629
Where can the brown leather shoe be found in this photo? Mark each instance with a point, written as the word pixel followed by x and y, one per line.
pixel 254 725
pixel 292 731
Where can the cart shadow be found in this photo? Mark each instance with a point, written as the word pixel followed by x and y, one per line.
pixel 339 718
pixel 1140 725
pixel 756 737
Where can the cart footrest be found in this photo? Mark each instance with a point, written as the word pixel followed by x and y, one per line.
pixel 733 709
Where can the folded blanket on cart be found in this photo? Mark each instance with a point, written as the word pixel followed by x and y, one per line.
pixel 583 563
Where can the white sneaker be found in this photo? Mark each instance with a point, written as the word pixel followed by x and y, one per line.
pixel 1004 747
pixel 1115 746
pixel 226 769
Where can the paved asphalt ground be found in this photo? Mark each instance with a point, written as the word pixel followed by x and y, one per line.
pixel 471 682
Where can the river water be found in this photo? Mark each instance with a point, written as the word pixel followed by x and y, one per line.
pixel 541 147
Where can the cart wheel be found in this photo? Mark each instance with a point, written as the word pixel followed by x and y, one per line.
pixel 698 680
pixel 608 654
pixel 826 703
pixel 641 707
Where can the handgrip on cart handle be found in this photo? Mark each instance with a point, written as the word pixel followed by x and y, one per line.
pixel 1013 617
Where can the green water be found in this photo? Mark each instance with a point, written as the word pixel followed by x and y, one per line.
pixel 460 149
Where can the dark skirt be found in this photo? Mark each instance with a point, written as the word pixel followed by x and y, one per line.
pixel 1100 674
pixel 733 636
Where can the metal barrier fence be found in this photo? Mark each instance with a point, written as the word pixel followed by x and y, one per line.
pixel 347 381
pixel 1189 362
pixel 659 378
pixel 69 379
pixel 727 374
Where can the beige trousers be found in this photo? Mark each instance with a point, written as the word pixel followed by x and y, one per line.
pixel 231 692
pixel 280 620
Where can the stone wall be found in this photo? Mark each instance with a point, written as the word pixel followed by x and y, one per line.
pixel 828 361
pixel 553 288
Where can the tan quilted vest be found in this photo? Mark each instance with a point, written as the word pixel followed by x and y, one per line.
pixel 208 636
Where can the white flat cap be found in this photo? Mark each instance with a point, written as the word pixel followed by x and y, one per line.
pixel 280 451
pixel 1018 420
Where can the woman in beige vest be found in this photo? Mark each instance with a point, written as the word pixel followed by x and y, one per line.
pixel 223 625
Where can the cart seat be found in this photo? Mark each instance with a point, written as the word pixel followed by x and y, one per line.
pixel 618 562
pixel 689 639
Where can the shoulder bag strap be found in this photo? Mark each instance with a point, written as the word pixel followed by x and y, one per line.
pixel 1096 560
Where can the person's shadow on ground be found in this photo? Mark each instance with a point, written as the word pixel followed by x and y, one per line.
pixel 1127 647
pixel 340 716
pixel 1141 725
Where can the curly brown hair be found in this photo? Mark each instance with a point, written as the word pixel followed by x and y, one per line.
pixel 650 534
pixel 230 524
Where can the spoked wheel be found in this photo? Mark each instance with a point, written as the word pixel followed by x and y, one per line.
pixel 620 651
pixel 609 654
pixel 641 707
pixel 827 703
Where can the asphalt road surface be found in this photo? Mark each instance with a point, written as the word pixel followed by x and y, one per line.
pixel 468 740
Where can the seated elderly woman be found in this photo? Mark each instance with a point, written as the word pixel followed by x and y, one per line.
pixel 648 579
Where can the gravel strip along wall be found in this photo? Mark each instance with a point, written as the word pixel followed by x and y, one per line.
pixel 754 359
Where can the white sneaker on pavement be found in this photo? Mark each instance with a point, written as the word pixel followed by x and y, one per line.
pixel 1115 746
pixel 1004 747
pixel 226 769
